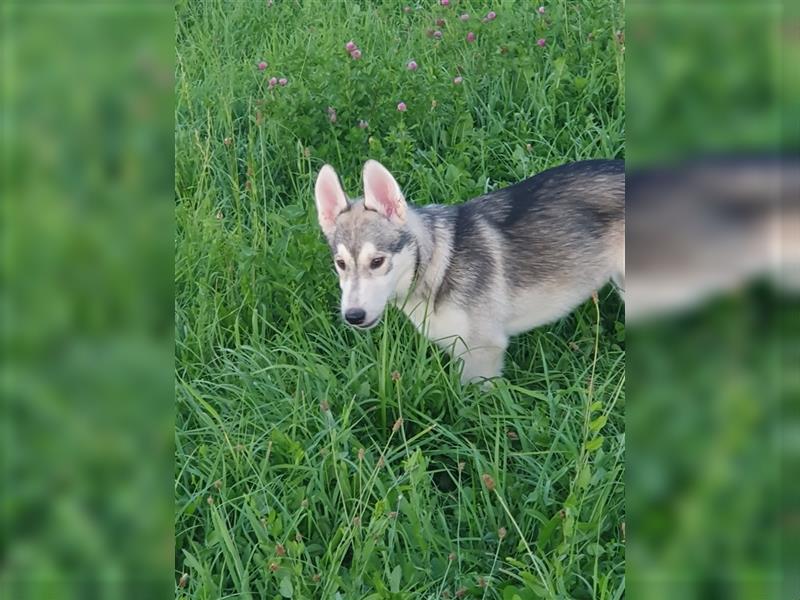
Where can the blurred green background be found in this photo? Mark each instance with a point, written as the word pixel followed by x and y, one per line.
pixel 86 294
pixel 712 416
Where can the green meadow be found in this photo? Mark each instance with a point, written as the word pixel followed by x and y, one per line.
pixel 314 461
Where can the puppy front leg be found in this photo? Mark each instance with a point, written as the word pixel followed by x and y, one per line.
pixel 482 361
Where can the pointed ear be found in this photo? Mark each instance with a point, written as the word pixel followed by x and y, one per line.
pixel 382 194
pixel 330 198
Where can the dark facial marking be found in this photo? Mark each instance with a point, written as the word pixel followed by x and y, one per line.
pixel 359 226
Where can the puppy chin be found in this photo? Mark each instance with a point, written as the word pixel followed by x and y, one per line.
pixel 369 325
pixel 365 326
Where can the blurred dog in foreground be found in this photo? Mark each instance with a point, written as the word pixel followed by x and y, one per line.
pixel 707 226
pixel 471 275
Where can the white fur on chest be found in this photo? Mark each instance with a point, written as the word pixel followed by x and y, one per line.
pixel 444 326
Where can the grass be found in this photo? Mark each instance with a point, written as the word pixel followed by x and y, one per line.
pixel 313 461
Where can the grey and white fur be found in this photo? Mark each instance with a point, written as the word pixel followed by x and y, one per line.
pixel 469 276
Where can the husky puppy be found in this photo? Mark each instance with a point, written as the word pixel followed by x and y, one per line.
pixel 471 275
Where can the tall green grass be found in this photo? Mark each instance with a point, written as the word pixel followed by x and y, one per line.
pixel 313 461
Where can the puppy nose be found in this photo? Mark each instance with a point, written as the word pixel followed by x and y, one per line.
pixel 355 316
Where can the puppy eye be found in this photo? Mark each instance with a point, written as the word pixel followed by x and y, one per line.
pixel 377 262
pixel 340 264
